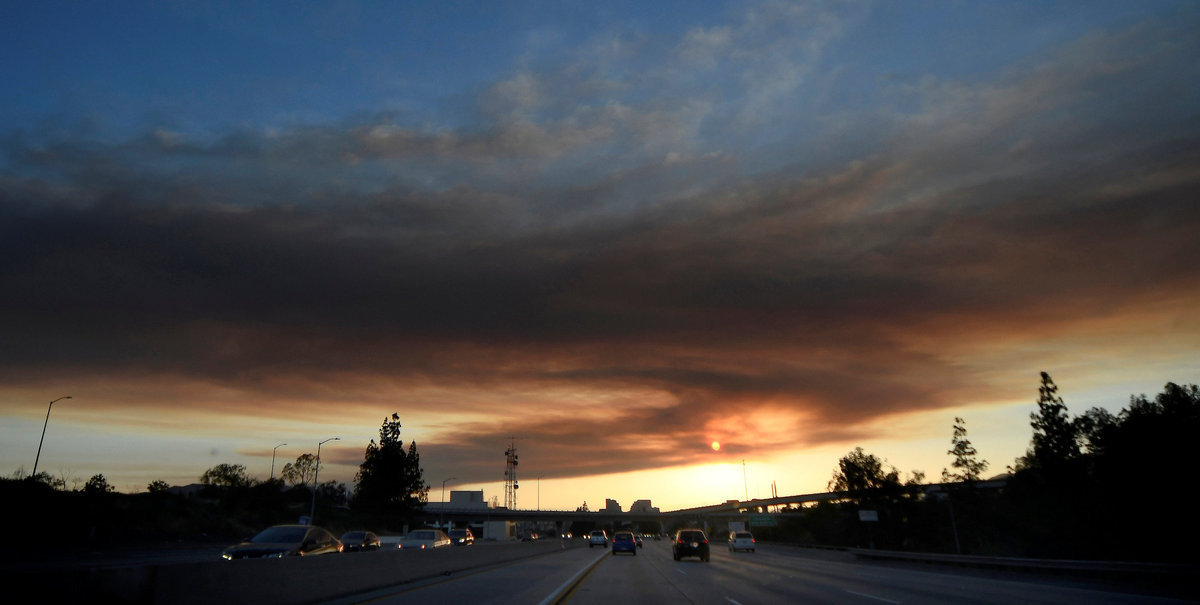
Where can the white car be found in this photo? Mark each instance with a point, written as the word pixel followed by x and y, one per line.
pixel 741 540
pixel 424 539
pixel 598 538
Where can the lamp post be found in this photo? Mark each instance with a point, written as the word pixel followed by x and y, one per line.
pixel 39 453
pixel 312 514
pixel 539 492
pixel 442 516
pixel 273 459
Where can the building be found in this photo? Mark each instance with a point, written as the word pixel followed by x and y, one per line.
pixel 643 506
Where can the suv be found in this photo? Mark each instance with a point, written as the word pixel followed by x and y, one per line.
pixel 741 540
pixel 690 543
pixel 598 538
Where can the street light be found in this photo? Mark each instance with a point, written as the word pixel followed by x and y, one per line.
pixel 539 492
pixel 312 514
pixel 273 459
pixel 442 517
pixel 39 454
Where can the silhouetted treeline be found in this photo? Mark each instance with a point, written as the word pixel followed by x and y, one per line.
pixel 1096 486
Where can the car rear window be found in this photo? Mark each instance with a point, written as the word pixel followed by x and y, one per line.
pixel 744 535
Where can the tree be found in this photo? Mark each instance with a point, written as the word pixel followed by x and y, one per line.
pixel 158 486
pixel 56 483
pixel 226 475
pixel 97 486
pixel 390 480
pixel 969 468
pixel 1054 435
pixel 302 471
pixel 859 471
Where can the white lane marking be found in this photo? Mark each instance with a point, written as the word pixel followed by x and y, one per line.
pixel 874 597
pixel 732 601
pixel 558 592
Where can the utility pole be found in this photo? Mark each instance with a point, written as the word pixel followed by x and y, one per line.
pixel 745 486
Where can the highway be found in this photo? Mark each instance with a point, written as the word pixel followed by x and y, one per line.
pixel 773 574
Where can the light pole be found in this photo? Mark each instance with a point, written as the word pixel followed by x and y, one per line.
pixel 39 454
pixel 273 459
pixel 539 492
pixel 442 516
pixel 312 514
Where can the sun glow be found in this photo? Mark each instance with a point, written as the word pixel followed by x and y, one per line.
pixel 716 445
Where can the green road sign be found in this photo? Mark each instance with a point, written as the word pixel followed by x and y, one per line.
pixel 762 520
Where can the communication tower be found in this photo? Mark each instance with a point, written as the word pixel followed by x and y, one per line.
pixel 510 475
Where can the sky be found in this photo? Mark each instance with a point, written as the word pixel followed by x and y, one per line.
pixel 612 234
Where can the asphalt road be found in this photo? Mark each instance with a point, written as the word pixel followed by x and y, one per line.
pixel 772 574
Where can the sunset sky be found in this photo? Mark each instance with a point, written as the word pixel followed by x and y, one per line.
pixel 616 232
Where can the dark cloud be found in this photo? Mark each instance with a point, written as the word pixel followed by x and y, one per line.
pixel 359 252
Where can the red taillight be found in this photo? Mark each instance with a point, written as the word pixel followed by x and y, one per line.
pixel 706 541
pixel 680 541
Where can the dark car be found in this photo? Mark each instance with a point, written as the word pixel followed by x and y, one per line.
pixel 355 541
pixel 638 538
pixel 690 543
pixel 462 537
pixel 285 541
pixel 623 541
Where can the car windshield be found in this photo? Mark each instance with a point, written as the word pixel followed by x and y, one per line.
pixel 624 537
pixel 744 536
pixel 691 535
pixel 354 536
pixel 280 534
pixel 458 532
pixel 421 535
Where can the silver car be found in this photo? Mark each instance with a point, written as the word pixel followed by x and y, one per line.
pixel 741 540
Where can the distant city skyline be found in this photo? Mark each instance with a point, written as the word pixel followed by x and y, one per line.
pixel 677 251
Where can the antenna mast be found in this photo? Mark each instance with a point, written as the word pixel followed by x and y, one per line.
pixel 510 475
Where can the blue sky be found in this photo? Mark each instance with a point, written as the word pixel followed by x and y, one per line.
pixel 622 230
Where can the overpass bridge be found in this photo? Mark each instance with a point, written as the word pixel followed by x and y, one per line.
pixel 731 510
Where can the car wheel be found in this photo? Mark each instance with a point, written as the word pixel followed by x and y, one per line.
pixel 634 552
pixel 676 556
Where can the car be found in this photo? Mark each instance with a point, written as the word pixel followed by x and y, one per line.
pixel 356 541
pixel 623 541
pixel 638 538
pixel 462 537
pixel 597 538
pixel 424 539
pixel 690 543
pixel 741 540
pixel 280 541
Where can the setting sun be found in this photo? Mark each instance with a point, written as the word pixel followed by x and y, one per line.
pixel 716 445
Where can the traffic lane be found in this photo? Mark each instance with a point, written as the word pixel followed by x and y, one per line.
pixel 918 582
pixel 777 575
pixel 523 581
pixel 649 578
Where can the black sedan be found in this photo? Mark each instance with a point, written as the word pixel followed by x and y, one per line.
pixel 356 541
pixel 285 541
